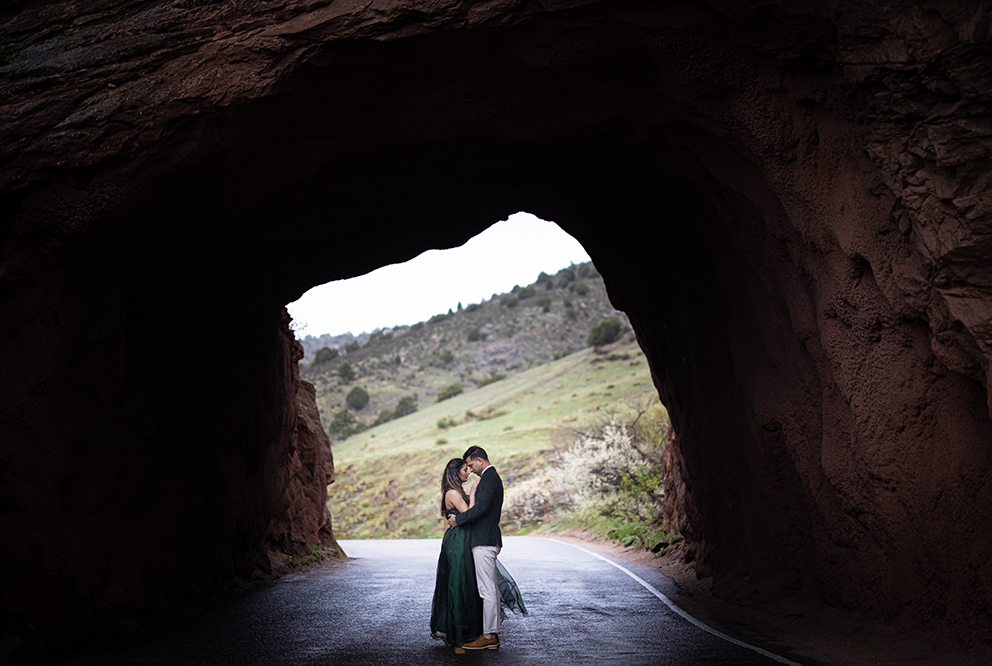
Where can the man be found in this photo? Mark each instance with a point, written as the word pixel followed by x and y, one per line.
pixel 486 543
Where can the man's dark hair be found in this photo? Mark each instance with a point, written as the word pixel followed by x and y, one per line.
pixel 476 452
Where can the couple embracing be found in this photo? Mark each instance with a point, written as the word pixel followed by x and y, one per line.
pixel 472 586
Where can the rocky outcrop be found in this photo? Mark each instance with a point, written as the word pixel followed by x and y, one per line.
pixel 790 202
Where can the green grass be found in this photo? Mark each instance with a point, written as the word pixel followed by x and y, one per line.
pixel 388 477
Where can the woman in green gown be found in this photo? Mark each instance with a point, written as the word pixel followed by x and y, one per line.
pixel 456 612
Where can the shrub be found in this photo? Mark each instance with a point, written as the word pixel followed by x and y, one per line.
pixel 346 372
pixel 438 317
pixel 406 405
pixel 449 392
pixel 542 278
pixel 526 292
pixel 384 416
pixel 509 301
pixel 490 380
pixel 604 332
pixel 545 304
pixel 580 288
pixel 587 270
pixel 344 425
pixel 325 354
pixel 357 398
pixel 474 334
pixel 352 346
pixel 492 414
pixel 447 356
pixel 472 307
pixel 446 422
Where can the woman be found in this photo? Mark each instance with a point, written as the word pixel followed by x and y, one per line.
pixel 456 613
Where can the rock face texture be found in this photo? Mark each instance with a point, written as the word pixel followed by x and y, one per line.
pixel 789 200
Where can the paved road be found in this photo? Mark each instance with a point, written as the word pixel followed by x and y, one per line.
pixel 375 610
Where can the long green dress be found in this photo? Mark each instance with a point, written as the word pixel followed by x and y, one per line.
pixel 456 612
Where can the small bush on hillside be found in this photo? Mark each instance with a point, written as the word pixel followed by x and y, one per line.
pixel 526 292
pixel 587 270
pixel 384 416
pixel 447 356
pixel 325 354
pixel 357 398
pixel 352 346
pixel 446 422
pixel 545 304
pixel 567 303
pixel 492 414
pixel 543 278
pixel 472 307
pixel 438 317
pixel 509 301
pixel 580 288
pixel 344 425
pixel 604 332
pixel 406 405
pixel 491 379
pixel 474 334
pixel 449 392
pixel 346 372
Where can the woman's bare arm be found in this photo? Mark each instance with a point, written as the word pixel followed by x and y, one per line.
pixel 454 500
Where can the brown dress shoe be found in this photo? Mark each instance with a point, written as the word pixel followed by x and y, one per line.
pixel 483 643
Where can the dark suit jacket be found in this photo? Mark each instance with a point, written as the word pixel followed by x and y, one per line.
pixel 483 518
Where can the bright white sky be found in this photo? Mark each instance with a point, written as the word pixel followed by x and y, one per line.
pixel 509 253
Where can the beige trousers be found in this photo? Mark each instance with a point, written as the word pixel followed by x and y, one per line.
pixel 485 577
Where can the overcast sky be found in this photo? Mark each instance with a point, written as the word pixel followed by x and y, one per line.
pixel 511 252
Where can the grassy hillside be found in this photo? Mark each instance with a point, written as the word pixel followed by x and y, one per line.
pixel 505 335
pixel 388 477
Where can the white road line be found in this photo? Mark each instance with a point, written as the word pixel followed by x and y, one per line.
pixel 681 613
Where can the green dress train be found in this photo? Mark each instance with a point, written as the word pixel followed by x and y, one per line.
pixel 456 612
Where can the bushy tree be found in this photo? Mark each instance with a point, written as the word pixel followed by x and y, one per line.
pixel 406 405
pixel 604 332
pixel 449 392
pixel 346 372
pixel 357 398
pixel 344 424
pixel 474 334
pixel 325 354
pixel 580 288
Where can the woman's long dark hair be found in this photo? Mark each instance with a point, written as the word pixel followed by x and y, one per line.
pixel 450 480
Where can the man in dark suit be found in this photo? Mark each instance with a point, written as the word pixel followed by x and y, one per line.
pixel 487 541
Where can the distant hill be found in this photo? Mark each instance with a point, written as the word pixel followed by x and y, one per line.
pixel 469 345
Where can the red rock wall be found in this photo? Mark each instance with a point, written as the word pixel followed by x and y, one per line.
pixel 790 202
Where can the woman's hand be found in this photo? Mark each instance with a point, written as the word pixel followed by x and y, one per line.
pixel 475 484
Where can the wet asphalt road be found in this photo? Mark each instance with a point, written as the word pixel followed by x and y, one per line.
pixel 375 610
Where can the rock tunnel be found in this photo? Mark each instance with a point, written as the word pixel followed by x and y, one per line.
pixel 789 200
